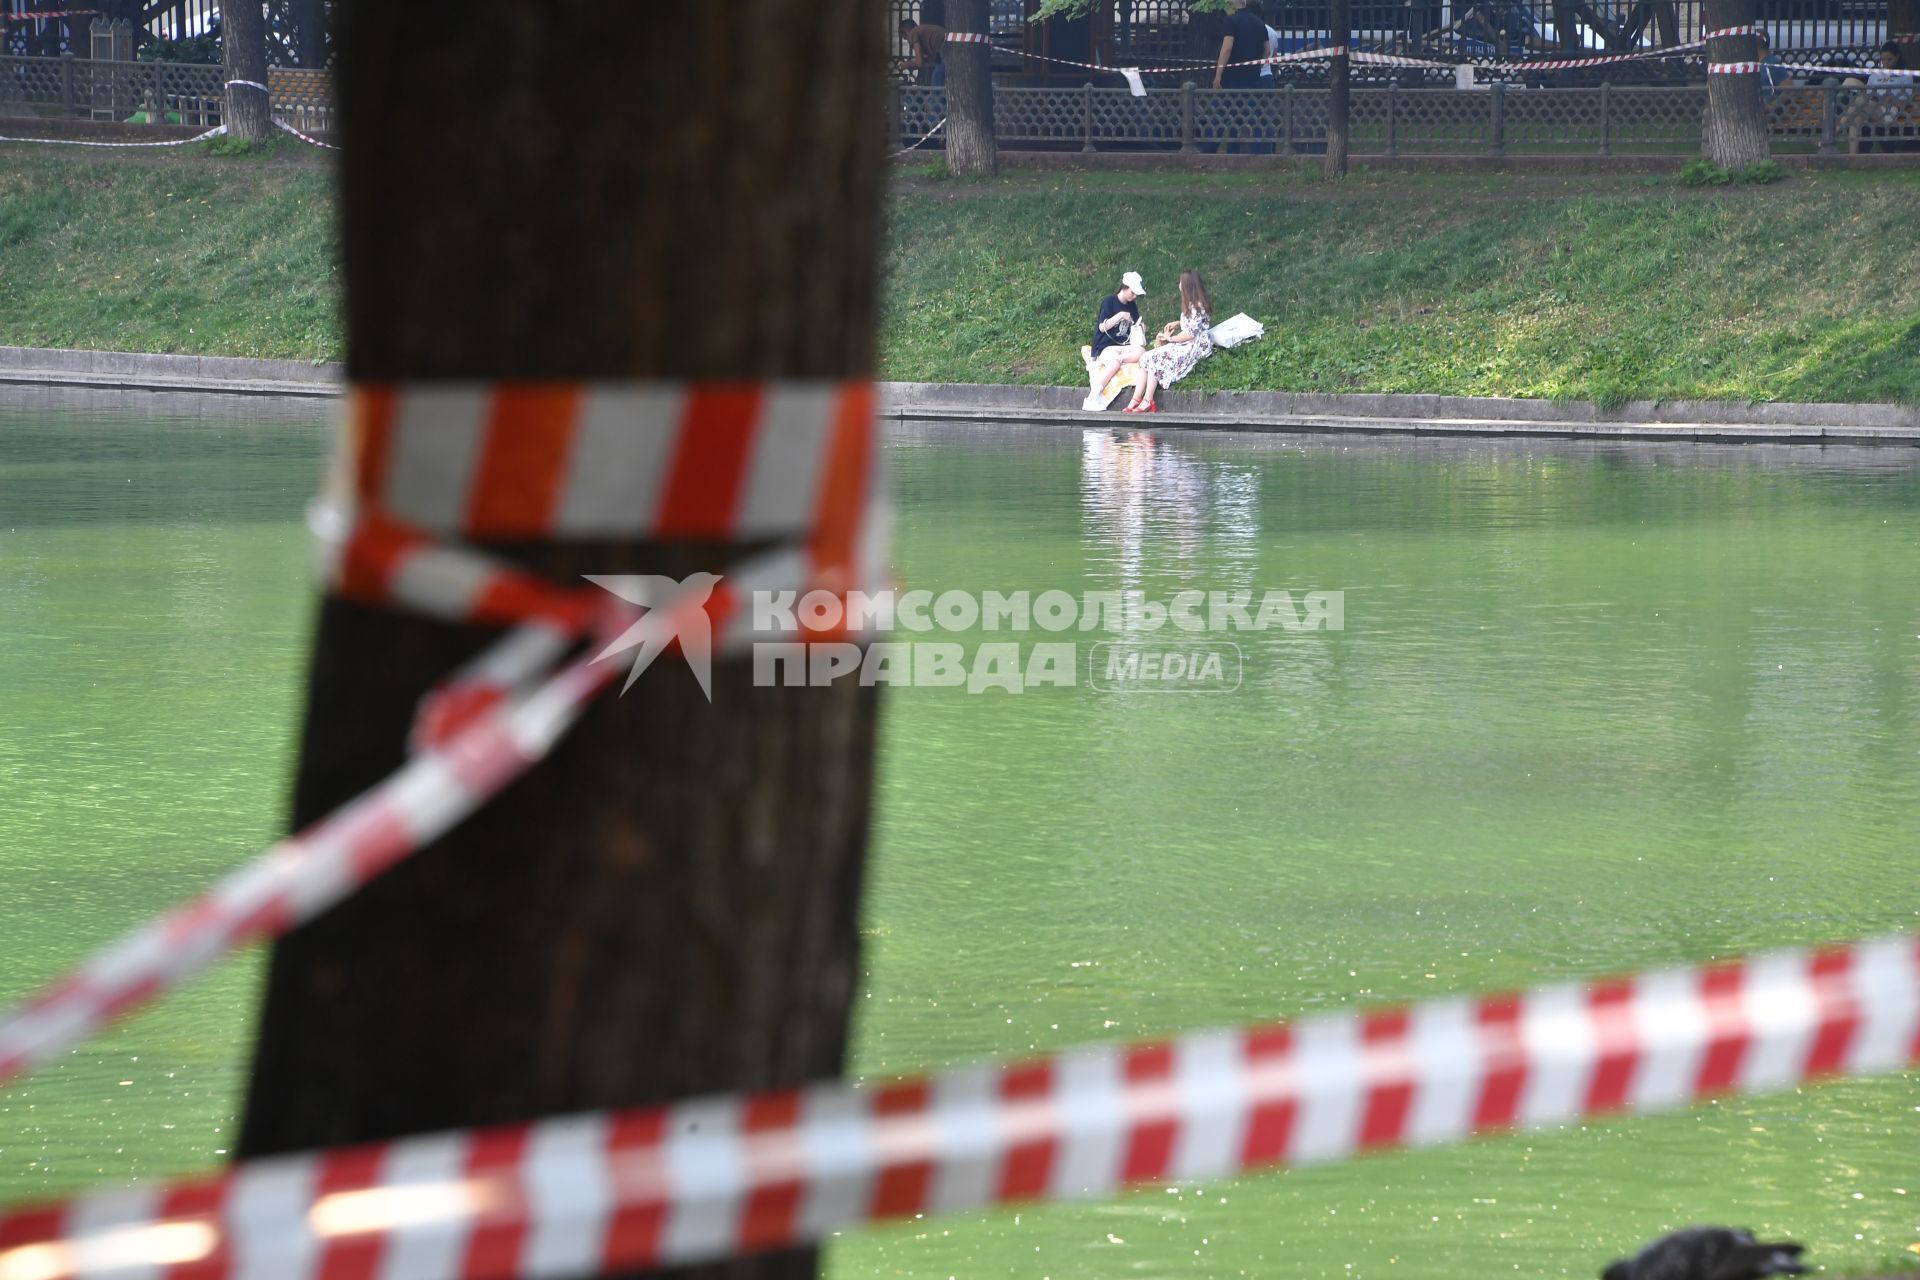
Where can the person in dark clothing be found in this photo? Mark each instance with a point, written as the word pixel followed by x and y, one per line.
pixel 1244 43
pixel 1119 312
pixel 1108 329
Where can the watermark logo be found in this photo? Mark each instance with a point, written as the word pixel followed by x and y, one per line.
pixel 687 622
pixel 1117 666
pixel 1155 646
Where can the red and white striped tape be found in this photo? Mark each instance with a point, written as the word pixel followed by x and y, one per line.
pixel 214 132
pixel 601 460
pixel 306 138
pixel 1688 50
pixel 724 1176
pixel 30 16
pixel 968 37
pixel 1745 29
pixel 521 462
pixel 1734 68
pixel 303 875
pixel 1901 73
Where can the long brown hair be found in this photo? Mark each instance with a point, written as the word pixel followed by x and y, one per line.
pixel 1193 294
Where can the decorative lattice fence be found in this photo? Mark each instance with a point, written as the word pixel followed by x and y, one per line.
pixel 1491 119
pixel 86 89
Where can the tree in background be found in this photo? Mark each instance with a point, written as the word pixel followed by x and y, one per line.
pixel 1340 25
pixel 1735 131
pixel 1903 19
pixel 971 148
pixel 248 113
pixel 306 27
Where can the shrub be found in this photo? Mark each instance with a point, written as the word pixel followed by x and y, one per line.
pixel 1704 173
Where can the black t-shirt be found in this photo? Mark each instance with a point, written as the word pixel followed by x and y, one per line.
pixel 1117 336
pixel 1249 42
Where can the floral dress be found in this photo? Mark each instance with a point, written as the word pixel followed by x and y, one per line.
pixel 1175 361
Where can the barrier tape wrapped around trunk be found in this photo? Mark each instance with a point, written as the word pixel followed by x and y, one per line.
pixel 790 464
pixel 723 1176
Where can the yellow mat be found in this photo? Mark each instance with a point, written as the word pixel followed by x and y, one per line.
pixel 1126 378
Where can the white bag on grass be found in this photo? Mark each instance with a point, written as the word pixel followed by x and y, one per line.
pixel 1232 332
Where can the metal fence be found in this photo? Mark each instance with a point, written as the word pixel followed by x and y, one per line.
pixel 83 88
pixel 1498 119
pixel 1167 32
pixel 87 89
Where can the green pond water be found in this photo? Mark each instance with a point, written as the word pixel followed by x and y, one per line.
pixel 1594 708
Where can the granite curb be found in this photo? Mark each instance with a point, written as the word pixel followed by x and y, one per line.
pixel 1299 412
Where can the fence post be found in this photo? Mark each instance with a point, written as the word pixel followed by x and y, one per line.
pixel 1829 117
pixel 1606 117
pixel 1086 106
pixel 160 93
pixel 1497 139
pixel 1286 147
pixel 1393 122
pixel 1186 117
pixel 69 104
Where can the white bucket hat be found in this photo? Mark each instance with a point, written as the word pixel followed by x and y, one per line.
pixel 1132 281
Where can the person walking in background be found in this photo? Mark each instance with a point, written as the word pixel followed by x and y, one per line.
pixel 928 42
pixel 1182 345
pixel 1244 43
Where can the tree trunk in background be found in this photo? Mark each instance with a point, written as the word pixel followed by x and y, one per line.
pixel 1903 19
pixel 1566 28
pixel 1340 27
pixel 970 143
pixel 1735 132
pixel 243 54
pixel 667 905
pixel 310 32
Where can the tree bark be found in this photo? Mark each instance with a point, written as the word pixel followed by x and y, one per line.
pixel 668 905
pixel 1903 19
pixel 1340 28
pixel 310 32
pixel 1735 131
pixel 243 53
pixel 971 148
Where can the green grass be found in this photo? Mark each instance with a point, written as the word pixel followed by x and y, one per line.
pixel 1606 288
pixel 199 253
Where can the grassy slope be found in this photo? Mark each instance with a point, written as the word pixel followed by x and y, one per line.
pixel 1592 287
pixel 1604 288
pixel 173 252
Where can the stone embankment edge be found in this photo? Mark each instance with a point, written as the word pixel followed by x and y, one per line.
pixel 134 371
pixel 1252 411
pixel 1286 412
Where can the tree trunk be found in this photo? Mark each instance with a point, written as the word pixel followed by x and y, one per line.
pixel 310 32
pixel 970 143
pixel 668 904
pixel 243 54
pixel 1903 19
pixel 1735 132
pixel 1340 24
pixel 1566 28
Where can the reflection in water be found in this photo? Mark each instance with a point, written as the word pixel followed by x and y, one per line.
pixel 1595 708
